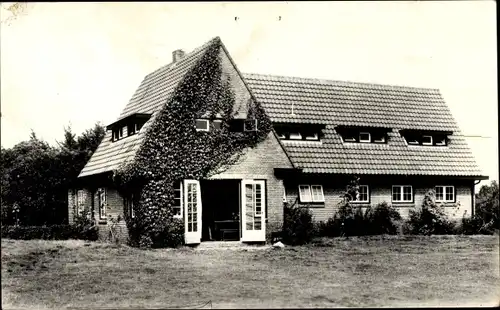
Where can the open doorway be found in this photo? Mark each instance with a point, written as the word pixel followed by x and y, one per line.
pixel 221 210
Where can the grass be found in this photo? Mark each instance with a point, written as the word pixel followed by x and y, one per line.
pixel 357 272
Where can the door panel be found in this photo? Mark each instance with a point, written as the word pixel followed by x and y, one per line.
pixel 192 212
pixel 253 210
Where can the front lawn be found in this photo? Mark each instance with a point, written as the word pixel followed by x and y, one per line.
pixel 358 272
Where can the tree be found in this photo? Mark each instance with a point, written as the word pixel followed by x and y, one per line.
pixel 487 206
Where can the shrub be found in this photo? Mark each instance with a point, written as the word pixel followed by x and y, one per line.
pixel 298 227
pixel 330 228
pixel 430 219
pixel 382 220
pixel 85 228
pixel 172 235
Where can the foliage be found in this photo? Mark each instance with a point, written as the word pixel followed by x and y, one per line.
pixel 173 150
pixel 487 208
pixel 298 227
pixel 86 227
pixel 382 220
pixel 430 219
pixel 52 232
pixel 36 176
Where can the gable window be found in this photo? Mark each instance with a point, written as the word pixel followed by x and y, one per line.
pixel 304 132
pixel 363 194
pixel 216 124
pixel 426 140
pixel 177 207
pixel 202 125
pixel 445 193
pixel 365 137
pixel 250 125
pixel 101 192
pixel 402 193
pixel 311 193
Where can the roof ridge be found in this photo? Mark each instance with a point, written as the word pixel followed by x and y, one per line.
pixel 331 81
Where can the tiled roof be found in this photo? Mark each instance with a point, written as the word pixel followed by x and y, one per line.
pixel 153 92
pixel 334 103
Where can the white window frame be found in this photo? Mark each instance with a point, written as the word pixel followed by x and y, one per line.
pixel 426 143
pixel 349 138
pixel 365 140
pixel 217 121
pixel 356 199
pixel 308 189
pixel 102 206
pixel 80 201
pixel 131 206
pixel 284 194
pixel 313 137
pixel 180 216
pixel 401 189
pixel 381 140
pixel 444 193
pixel 295 136
pixel 440 142
pixel 202 120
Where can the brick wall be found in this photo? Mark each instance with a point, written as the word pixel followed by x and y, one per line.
pixel 380 193
pixel 114 209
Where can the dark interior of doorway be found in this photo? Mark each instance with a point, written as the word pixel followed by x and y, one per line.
pixel 220 216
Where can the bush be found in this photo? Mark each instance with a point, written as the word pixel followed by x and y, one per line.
pixel 298 227
pixel 331 228
pixel 171 236
pixel 85 228
pixel 430 219
pixel 381 220
pixel 53 232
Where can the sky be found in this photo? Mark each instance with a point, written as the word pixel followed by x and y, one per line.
pixel 79 63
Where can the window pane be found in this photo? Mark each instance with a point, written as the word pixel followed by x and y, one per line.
pixel 450 193
pixel 426 139
pixel 317 193
pixel 364 137
pixel 305 193
pixel 363 193
pixel 295 136
pixel 216 124
pixel 439 193
pixel 396 193
pixel 407 193
pixel 202 124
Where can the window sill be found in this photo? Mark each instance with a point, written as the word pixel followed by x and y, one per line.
pixel 312 204
pixel 403 204
pixel 102 221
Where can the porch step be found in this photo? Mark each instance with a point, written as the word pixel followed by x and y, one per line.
pixel 229 245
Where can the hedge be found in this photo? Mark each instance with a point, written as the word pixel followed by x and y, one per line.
pixel 53 232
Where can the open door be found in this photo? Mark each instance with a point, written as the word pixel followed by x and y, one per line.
pixel 253 212
pixel 192 212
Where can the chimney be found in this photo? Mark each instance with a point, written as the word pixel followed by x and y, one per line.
pixel 177 55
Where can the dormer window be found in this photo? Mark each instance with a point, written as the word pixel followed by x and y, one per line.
pixel 202 124
pixel 365 137
pixel 128 125
pixel 363 134
pixel 298 132
pixel 295 136
pixel 426 140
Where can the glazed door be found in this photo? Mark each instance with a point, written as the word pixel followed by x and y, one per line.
pixel 253 212
pixel 192 212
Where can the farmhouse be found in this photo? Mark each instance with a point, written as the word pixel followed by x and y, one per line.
pixel 291 139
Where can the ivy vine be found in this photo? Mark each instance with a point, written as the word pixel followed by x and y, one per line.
pixel 173 150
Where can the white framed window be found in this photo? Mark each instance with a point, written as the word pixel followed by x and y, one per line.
pixel 130 205
pixel 445 193
pixel 311 136
pixel 177 207
pixel 216 124
pixel 202 125
pixel 363 194
pixel 412 141
pixel 349 138
pixel 311 193
pixel 402 193
pixel 102 203
pixel 284 194
pixel 80 201
pixel 379 139
pixel 440 141
pixel 365 137
pixel 426 140
pixel 295 136
pixel 317 193
pixel 250 125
